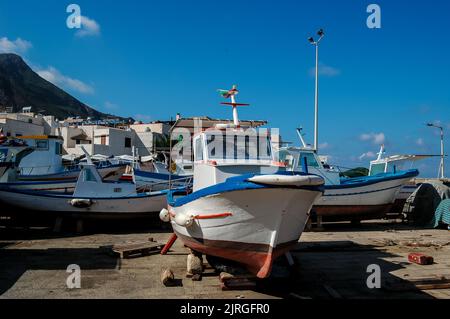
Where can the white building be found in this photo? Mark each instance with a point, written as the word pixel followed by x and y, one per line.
pixel 21 124
pixel 110 141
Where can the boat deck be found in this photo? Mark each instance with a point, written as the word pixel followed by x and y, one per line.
pixel 331 264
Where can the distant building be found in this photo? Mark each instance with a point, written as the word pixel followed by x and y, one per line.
pixel 20 124
pixel 97 139
pixel 111 141
pixel 109 137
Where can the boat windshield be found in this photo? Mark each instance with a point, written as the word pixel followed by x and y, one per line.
pixel 376 169
pixel 310 159
pixel 3 155
pixel 238 147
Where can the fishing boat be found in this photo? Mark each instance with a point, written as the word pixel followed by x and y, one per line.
pixel 12 151
pixel 151 173
pixel 345 198
pixel 41 168
pixel 92 197
pixel 389 164
pixel 244 207
pixel 45 163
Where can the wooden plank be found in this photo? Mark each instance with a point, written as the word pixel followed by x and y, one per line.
pixel 131 250
pixel 333 293
pixel 420 284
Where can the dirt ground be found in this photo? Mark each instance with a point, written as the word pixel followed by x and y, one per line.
pixel 330 264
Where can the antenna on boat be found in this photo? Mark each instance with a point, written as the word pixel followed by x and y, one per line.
pixel 88 157
pixel 300 135
pixel 380 154
pixel 231 94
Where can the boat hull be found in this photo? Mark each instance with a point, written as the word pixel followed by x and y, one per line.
pixel 62 182
pixel 365 201
pixel 30 203
pixel 262 224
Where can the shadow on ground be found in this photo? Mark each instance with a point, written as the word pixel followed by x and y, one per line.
pixel 15 262
pixel 339 270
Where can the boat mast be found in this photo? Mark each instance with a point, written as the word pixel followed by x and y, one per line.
pixel 321 34
pixel 231 94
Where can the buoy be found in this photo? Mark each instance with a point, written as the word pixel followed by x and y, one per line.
pixel 164 215
pixel 81 203
pixel 184 220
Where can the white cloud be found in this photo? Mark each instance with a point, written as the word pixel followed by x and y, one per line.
pixel 325 70
pixel 375 138
pixel 89 27
pixel 367 155
pixel 143 117
pixel 111 106
pixel 324 146
pixel 420 142
pixel 54 76
pixel 18 46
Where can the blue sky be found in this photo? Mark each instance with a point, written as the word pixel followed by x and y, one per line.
pixel 152 59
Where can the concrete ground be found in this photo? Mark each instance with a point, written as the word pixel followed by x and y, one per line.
pixel 330 264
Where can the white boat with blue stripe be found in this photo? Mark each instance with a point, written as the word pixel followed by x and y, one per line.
pixel 93 197
pixel 244 207
pixel 355 198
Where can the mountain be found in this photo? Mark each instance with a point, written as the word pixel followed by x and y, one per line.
pixel 20 86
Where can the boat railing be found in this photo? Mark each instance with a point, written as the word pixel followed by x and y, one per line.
pixel 178 183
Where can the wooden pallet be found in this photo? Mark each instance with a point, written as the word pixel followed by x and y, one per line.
pixel 237 282
pixel 137 249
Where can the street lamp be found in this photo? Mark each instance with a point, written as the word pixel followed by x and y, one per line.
pixel 311 40
pixel 442 165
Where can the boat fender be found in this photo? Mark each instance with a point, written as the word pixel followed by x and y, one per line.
pixel 164 215
pixel 184 220
pixel 81 203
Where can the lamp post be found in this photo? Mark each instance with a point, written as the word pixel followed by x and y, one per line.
pixel 321 34
pixel 442 164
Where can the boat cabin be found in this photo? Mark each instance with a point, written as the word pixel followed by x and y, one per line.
pixel 292 157
pixel 46 158
pixel 393 164
pixel 91 185
pixel 220 154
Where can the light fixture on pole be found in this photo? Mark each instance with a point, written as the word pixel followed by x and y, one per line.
pixel 441 173
pixel 321 34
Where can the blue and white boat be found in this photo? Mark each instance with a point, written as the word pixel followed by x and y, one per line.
pixel 348 198
pixel 41 168
pixel 243 207
pixel 93 197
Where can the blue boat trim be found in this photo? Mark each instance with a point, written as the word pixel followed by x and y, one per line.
pixel 232 184
pixel 68 181
pixel 370 180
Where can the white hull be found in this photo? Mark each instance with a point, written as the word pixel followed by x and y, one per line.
pixel 380 193
pixel 361 202
pixel 262 222
pixel 109 206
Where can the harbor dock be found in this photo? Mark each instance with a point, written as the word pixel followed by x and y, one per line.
pixel 330 264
